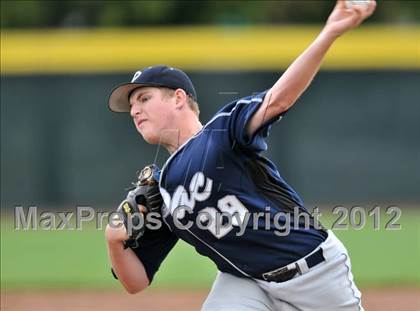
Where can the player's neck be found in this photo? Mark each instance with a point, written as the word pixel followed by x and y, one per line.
pixel 182 134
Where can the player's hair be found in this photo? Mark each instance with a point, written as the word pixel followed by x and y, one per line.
pixel 191 102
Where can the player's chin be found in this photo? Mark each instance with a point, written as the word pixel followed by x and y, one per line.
pixel 150 138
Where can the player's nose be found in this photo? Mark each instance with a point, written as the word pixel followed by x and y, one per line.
pixel 135 110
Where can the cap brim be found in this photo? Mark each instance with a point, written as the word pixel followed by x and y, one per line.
pixel 118 100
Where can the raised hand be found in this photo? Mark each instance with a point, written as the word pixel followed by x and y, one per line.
pixel 343 18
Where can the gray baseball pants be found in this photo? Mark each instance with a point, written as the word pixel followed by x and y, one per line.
pixel 329 286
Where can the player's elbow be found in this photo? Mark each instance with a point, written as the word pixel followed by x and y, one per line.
pixel 135 285
pixel 135 288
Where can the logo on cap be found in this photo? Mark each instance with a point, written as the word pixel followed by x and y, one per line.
pixel 136 75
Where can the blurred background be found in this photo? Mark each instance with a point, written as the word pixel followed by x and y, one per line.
pixel 351 140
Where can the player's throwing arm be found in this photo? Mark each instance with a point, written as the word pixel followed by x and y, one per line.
pixel 300 73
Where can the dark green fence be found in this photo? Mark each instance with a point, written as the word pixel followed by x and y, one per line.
pixel 353 137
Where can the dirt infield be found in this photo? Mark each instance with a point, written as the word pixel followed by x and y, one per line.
pixel 394 299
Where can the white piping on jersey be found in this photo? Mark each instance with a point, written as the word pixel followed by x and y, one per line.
pixel 242 101
pixel 214 250
pixel 221 114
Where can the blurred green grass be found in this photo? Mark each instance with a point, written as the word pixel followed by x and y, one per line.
pixel 78 259
pixel 384 257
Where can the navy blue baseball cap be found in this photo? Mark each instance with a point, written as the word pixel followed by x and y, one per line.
pixel 158 76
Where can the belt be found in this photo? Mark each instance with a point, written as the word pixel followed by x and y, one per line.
pixel 288 272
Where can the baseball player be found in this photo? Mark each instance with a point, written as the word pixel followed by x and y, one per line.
pixel 219 194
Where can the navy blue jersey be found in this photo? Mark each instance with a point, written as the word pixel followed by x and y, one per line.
pixel 220 171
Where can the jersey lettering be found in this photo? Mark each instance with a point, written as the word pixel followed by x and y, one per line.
pixel 210 218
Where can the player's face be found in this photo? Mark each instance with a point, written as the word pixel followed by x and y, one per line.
pixel 152 113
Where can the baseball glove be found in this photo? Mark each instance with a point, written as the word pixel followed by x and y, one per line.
pixel 145 193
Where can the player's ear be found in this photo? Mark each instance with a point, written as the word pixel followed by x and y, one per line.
pixel 181 98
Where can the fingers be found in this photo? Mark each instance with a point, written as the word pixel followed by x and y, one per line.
pixel 341 4
pixel 142 208
pixel 116 221
pixel 363 10
pixel 358 12
pixel 371 8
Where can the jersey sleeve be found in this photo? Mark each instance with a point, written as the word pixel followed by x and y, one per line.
pixel 240 115
pixel 153 247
